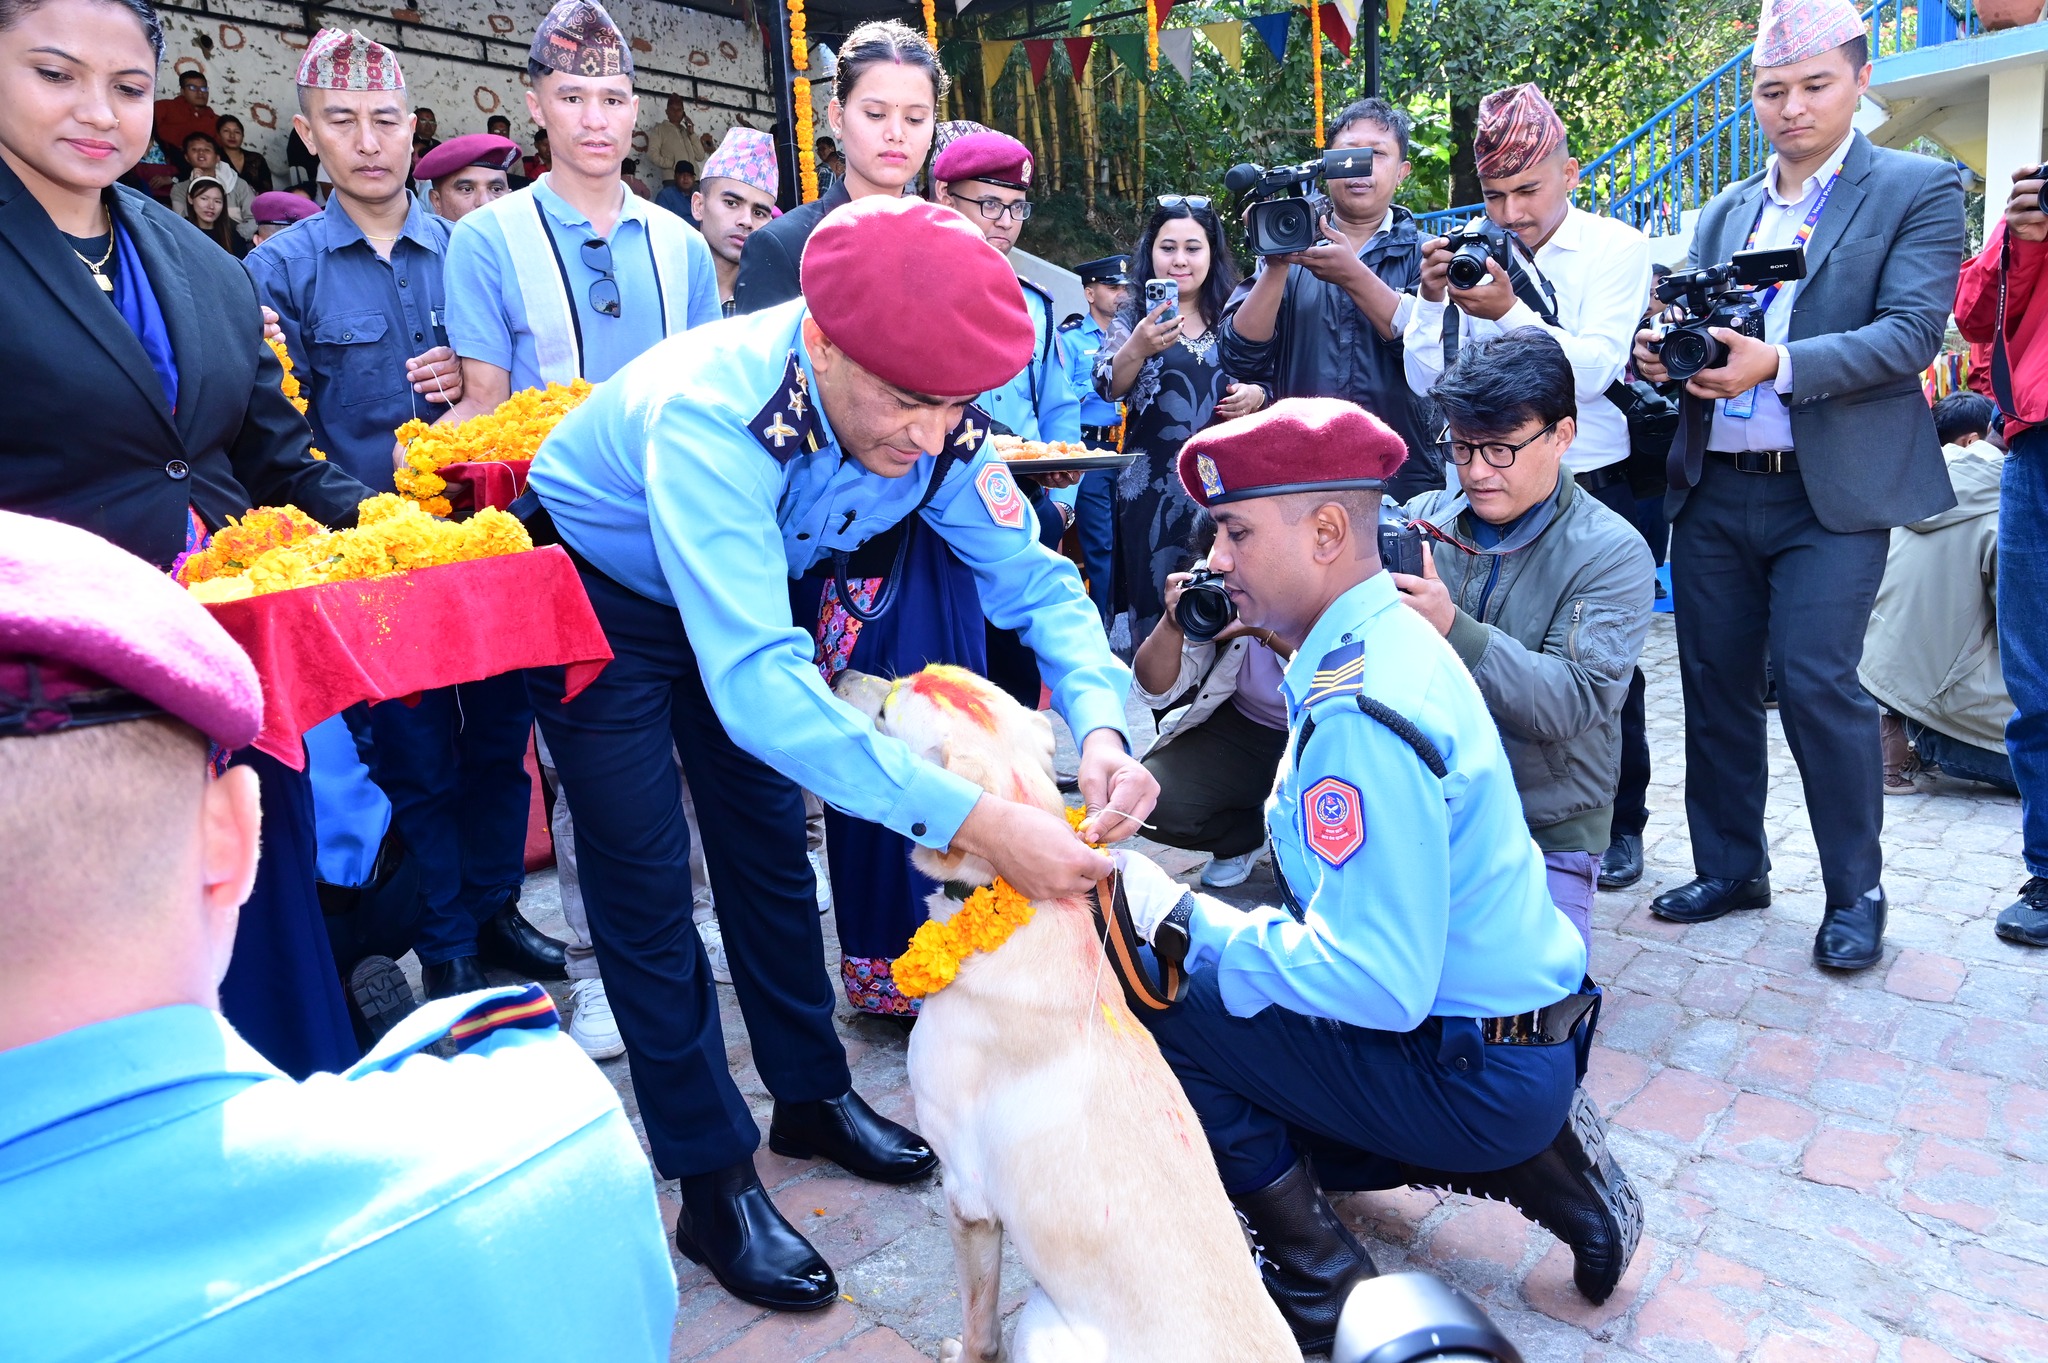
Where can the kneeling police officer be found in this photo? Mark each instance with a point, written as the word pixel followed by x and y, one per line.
pixel 692 488
pixel 1417 1012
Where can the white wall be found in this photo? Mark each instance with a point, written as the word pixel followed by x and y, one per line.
pixel 250 65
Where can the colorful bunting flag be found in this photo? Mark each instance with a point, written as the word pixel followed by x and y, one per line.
pixel 1077 55
pixel 1038 53
pixel 1177 45
pixel 1395 9
pixel 1079 10
pixel 1129 49
pixel 1227 39
pixel 1335 28
pixel 1272 31
pixel 1165 8
pixel 994 57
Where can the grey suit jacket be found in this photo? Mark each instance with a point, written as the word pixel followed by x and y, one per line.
pixel 1881 273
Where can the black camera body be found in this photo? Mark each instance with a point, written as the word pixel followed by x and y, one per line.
pixel 1720 296
pixel 1205 608
pixel 1283 216
pixel 1478 241
pixel 1401 546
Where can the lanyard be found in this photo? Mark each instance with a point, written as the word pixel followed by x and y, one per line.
pixel 1799 238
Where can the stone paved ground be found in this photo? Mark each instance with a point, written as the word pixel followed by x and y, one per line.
pixel 1834 1169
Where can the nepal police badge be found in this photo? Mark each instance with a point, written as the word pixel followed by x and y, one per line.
pixel 1001 495
pixel 1333 819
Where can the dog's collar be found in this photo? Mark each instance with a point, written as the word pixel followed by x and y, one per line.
pixel 959 890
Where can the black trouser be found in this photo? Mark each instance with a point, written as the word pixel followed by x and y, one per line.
pixel 1754 568
pixel 1632 791
pixel 1213 783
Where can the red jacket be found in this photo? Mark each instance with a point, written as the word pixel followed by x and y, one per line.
pixel 2026 321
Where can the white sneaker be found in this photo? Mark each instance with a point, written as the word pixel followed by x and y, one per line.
pixel 824 877
pixel 1223 872
pixel 592 1026
pixel 714 947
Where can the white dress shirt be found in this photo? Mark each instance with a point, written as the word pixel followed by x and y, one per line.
pixel 1600 268
pixel 1769 425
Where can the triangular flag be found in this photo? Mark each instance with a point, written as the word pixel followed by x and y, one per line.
pixel 1077 55
pixel 1130 50
pixel 1079 10
pixel 994 57
pixel 1164 7
pixel 1038 53
pixel 1227 39
pixel 1334 29
pixel 1395 9
pixel 1272 31
pixel 1177 45
pixel 960 6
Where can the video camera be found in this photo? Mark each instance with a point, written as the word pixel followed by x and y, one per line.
pixel 1720 296
pixel 1283 217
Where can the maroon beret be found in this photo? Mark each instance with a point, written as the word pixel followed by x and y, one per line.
pixel 997 158
pixel 914 294
pixel 281 206
pixel 471 149
pixel 1296 445
pixel 91 634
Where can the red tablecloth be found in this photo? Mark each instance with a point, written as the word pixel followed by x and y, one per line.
pixel 321 649
pixel 474 486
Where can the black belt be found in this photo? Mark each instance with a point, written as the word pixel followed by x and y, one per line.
pixel 1758 461
pixel 1548 1026
pixel 1597 480
pixel 1100 435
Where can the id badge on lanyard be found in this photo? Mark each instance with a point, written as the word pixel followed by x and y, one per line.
pixel 1743 406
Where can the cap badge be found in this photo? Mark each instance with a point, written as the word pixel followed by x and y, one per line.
pixel 1212 481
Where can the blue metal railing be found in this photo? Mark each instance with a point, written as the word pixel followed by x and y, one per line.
pixel 1707 138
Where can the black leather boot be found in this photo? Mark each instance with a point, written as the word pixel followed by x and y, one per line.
pixel 1851 936
pixel 853 1136
pixel 730 1225
pixel 378 997
pixel 509 942
pixel 1621 865
pixel 1706 898
pixel 1574 1190
pixel 448 978
pixel 1308 1259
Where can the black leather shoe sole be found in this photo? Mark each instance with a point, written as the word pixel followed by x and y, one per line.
pixel 1583 1143
pixel 791 1148
pixel 826 1294
pixel 1672 910
pixel 379 995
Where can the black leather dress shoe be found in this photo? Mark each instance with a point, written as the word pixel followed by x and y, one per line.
pixel 1574 1190
pixel 1851 936
pixel 730 1225
pixel 1621 865
pixel 1306 1257
pixel 1709 897
pixel 853 1136
pixel 463 975
pixel 511 943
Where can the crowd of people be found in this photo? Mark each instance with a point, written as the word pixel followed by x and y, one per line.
pixel 1419 489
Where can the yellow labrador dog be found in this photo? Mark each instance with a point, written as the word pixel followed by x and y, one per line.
pixel 1051 1110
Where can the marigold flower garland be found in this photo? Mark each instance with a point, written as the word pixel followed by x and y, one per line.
pixel 800 96
pixel 931 24
pixel 1315 54
pixel 513 431
pixel 290 387
pixel 276 548
pixel 986 921
pixel 1152 33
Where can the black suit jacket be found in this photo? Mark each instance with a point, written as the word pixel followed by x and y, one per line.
pixel 771 264
pixel 88 437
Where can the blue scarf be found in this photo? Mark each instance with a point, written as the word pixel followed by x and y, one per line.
pixel 136 302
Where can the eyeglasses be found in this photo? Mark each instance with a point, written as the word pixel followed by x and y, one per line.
pixel 604 291
pixel 1183 201
pixel 995 210
pixel 1497 455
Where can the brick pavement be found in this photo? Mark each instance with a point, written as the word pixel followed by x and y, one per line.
pixel 1834 1168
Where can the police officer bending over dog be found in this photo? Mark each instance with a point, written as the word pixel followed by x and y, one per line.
pixel 1416 1012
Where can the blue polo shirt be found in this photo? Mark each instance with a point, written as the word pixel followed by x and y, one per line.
pixel 351 320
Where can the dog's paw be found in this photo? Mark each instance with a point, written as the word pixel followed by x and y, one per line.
pixel 951 1352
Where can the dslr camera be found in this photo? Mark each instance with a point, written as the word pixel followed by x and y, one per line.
pixel 1204 608
pixel 1477 242
pixel 1401 546
pixel 1283 217
pixel 1720 296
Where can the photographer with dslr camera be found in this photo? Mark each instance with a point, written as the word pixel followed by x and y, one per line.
pixel 1801 444
pixel 1332 327
pixel 2002 302
pixel 1542 591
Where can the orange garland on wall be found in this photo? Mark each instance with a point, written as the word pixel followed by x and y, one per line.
pixel 931 24
pixel 800 96
pixel 1315 59
pixel 1152 33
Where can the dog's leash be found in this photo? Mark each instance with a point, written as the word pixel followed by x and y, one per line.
pixel 1120 943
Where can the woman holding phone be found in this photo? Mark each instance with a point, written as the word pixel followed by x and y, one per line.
pixel 1160 359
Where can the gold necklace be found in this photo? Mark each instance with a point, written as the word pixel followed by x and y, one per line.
pixel 106 284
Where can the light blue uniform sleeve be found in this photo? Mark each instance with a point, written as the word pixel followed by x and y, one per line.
pixel 473 281
pixel 1370 949
pixel 704 302
pixel 1029 588
pixel 1059 406
pixel 711 512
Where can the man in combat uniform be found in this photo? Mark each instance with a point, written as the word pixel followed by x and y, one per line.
pixel 1416 1011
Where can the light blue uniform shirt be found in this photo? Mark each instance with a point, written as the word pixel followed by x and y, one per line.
pixel 1039 403
pixel 167 1194
pixel 1079 342
pixel 1420 897
pixel 706 477
pixel 487 310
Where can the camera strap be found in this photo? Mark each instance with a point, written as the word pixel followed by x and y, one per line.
pixel 2001 364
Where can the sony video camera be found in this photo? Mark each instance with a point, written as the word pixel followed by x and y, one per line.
pixel 1720 296
pixel 1283 217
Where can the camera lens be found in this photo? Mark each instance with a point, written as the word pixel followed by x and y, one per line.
pixel 1204 609
pixel 1686 350
pixel 1468 266
pixel 1284 225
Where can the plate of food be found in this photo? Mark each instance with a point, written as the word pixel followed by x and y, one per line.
pixel 1056 456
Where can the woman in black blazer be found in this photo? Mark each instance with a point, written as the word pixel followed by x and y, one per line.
pixel 143 405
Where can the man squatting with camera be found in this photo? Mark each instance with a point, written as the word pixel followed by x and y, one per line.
pixel 1536 260
pixel 1415 1010
pixel 1802 441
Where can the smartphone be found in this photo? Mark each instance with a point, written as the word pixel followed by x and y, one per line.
pixel 1165 291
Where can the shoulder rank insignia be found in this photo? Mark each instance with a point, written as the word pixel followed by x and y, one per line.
pixel 1333 819
pixel 1340 673
pixel 1072 323
pixel 963 442
pixel 788 425
pixel 530 1008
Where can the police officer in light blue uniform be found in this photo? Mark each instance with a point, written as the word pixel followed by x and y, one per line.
pixel 1417 1010
pixel 692 490
pixel 1105 283
pixel 165 1192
